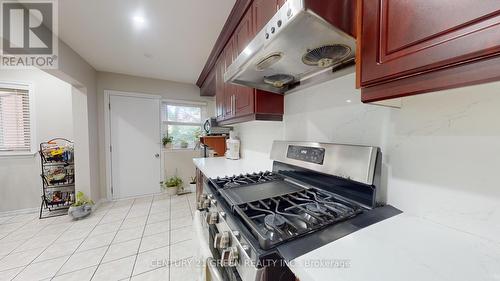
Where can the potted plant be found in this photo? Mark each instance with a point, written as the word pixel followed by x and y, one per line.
pixel 192 184
pixel 167 142
pixel 172 184
pixel 184 144
pixel 82 206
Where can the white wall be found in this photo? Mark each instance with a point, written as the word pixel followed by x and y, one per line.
pixel 20 183
pixel 441 151
pixel 167 90
pixel 180 163
pixel 82 76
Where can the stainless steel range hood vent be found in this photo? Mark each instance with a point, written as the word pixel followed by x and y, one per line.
pixel 298 47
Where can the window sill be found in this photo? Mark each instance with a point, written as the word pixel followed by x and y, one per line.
pixel 18 154
pixel 179 149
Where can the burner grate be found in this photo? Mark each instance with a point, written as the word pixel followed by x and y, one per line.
pixel 234 181
pixel 278 219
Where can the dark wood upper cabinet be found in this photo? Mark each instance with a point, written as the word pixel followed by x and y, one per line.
pixel 229 89
pixel 219 88
pixel 235 104
pixel 263 11
pixel 244 33
pixel 402 39
pixel 280 3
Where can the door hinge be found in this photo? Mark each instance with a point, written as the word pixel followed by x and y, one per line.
pixel 112 191
pixel 109 106
pixel 110 148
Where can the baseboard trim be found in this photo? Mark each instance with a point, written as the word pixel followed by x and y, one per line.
pixel 19 212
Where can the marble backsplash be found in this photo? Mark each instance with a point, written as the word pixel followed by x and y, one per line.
pixel 441 151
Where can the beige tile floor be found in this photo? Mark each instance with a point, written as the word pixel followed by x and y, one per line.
pixel 148 238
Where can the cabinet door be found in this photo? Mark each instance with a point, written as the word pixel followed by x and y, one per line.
pixel 219 87
pixel 263 11
pixel 244 101
pixel 401 37
pixel 244 33
pixel 229 89
pixel 281 3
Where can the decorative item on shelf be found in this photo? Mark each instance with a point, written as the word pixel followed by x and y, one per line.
pixel 184 144
pixel 172 185
pixel 192 184
pixel 167 142
pixel 82 206
pixel 58 177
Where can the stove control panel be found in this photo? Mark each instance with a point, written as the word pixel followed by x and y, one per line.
pixel 314 155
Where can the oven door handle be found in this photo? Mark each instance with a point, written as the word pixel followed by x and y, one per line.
pixel 214 273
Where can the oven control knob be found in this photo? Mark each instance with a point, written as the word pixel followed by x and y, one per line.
pixel 203 202
pixel 212 218
pixel 222 240
pixel 210 196
pixel 206 203
pixel 213 202
pixel 236 234
pixel 229 257
pixel 223 215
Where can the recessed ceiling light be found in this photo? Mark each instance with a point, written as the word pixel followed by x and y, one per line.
pixel 139 19
pixel 348 101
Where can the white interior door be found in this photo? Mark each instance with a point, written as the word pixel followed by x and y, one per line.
pixel 135 145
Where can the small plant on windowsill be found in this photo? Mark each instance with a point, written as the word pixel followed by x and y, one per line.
pixel 82 206
pixel 167 142
pixel 184 144
pixel 172 184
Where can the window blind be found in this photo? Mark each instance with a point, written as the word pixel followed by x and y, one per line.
pixel 15 123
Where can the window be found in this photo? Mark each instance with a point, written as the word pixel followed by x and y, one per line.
pixel 16 121
pixel 182 122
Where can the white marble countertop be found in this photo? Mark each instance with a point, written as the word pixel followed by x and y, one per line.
pixel 213 167
pixel 403 247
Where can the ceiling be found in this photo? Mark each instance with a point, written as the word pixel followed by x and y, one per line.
pixel 162 39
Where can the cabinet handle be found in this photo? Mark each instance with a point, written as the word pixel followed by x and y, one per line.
pixel 234 104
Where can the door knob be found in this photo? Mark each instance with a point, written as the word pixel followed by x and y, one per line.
pixel 157 155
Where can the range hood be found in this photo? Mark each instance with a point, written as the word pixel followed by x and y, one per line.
pixel 305 43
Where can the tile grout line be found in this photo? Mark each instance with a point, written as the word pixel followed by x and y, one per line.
pixel 116 233
pixel 142 237
pixel 85 238
pixel 43 252
pixel 26 223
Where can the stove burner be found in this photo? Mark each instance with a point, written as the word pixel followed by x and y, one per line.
pixel 316 208
pixel 274 221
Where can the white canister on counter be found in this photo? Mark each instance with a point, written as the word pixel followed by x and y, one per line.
pixel 232 147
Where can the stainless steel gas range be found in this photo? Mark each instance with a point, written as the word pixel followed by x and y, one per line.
pixel 254 224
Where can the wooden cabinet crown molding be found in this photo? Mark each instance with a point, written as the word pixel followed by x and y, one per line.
pixel 232 22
